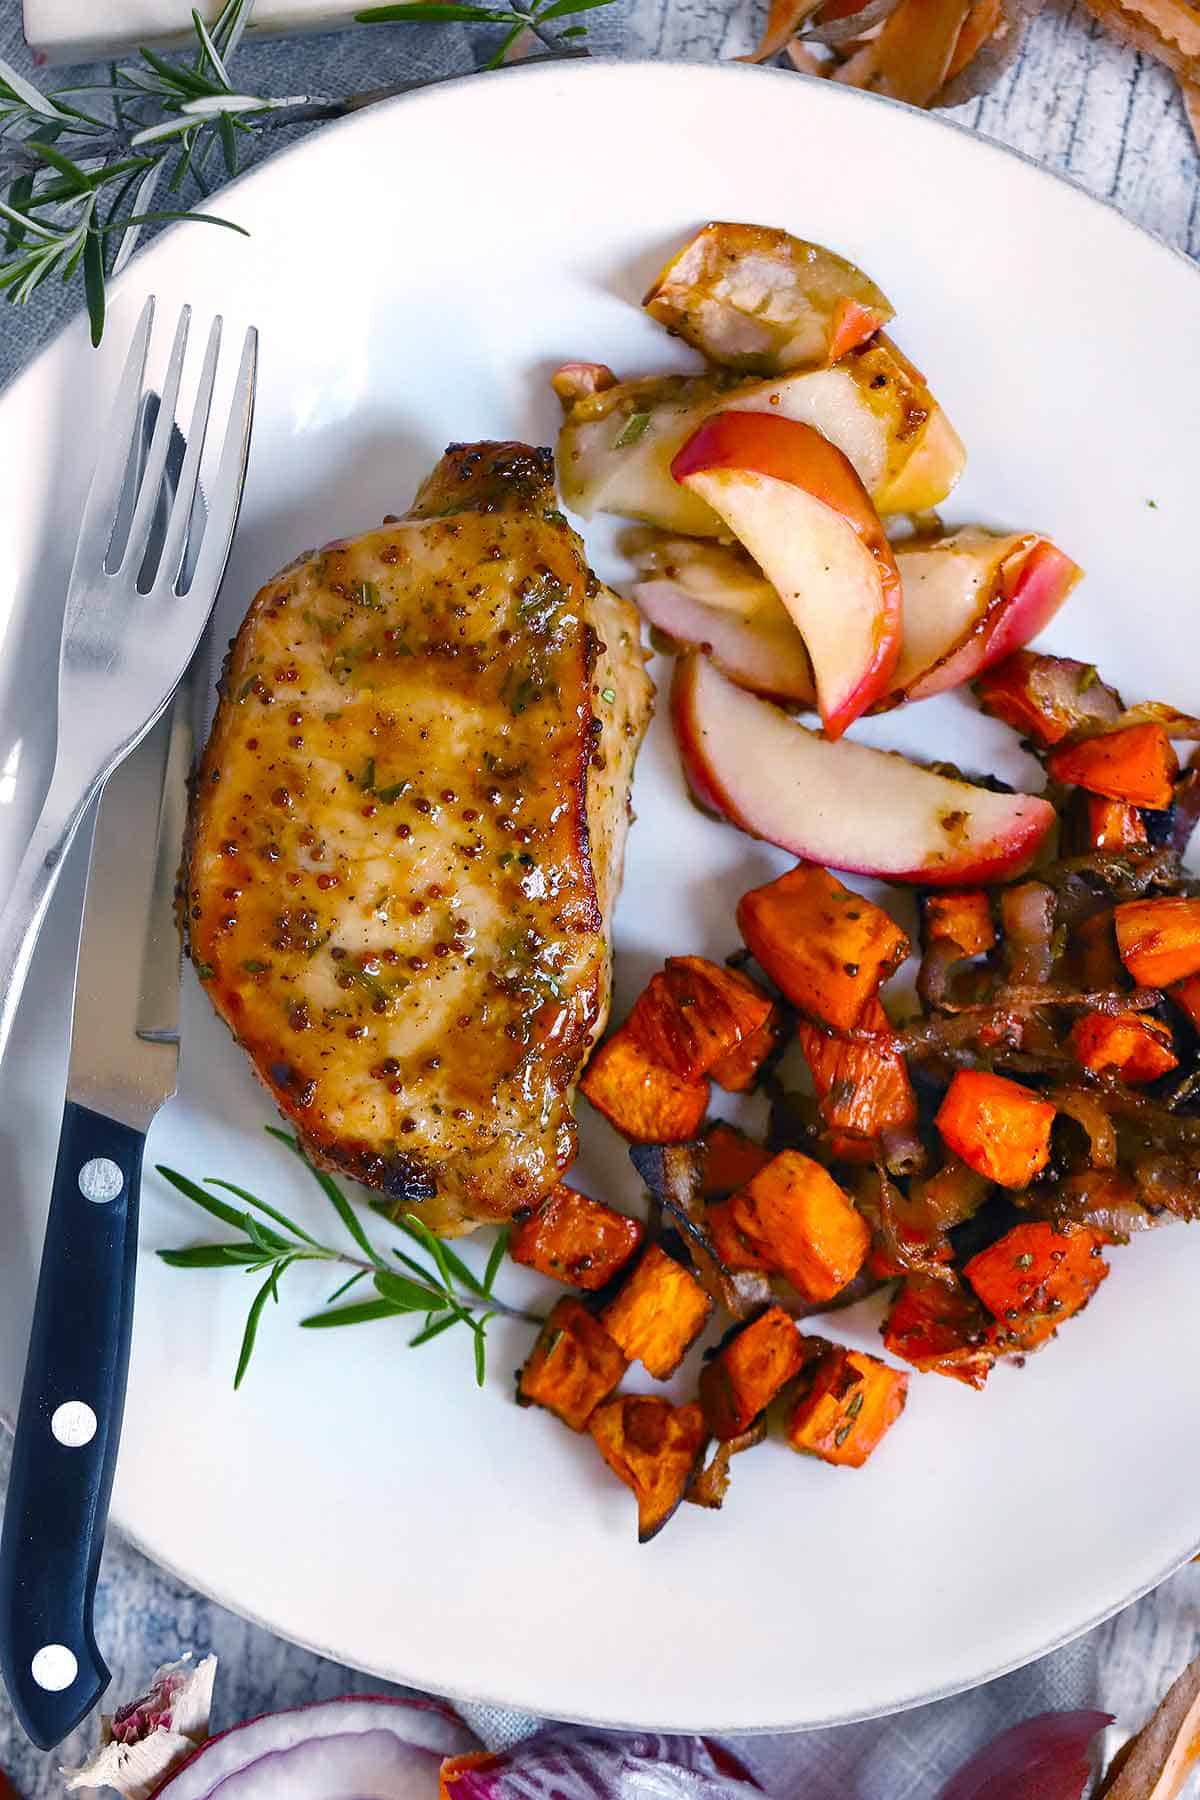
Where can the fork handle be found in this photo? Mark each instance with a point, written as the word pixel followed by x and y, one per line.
pixel 68 1428
pixel 25 906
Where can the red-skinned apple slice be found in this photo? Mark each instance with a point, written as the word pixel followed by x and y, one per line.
pixel 794 501
pixel 711 596
pixel 971 599
pixel 841 804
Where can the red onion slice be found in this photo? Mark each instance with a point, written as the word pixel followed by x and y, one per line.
pixel 1044 1758
pixel 359 1748
pixel 561 1766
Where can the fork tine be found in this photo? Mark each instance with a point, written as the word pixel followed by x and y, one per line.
pixel 225 496
pixel 100 507
pixel 156 459
pixel 175 540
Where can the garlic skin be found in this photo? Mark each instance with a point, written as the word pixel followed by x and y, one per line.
pixel 143 1741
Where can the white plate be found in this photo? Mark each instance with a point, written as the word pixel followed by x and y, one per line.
pixel 416 273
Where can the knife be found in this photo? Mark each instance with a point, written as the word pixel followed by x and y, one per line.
pixel 123 1066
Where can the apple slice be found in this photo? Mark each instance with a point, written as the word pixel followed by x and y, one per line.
pixel 971 599
pixel 760 301
pixel 619 438
pixel 711 596
pixel 840 804
pixel 793 499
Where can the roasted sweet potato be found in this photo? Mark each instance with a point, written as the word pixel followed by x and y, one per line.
pixel 731 1245
pixel 575 1239
pixel 962 918
pixel 796 1217
pixel 573 1366
pixel 997 1127
pixel 658 1313
pixel 1135 1047
pixel 861 1091
pixel 942 1328
pixel 1047 698
pixel 1034 1277
pixel 851 1401
pixel 1113 824
pixel 694 1013
pixel 827 948
pixel 646 1103
pixel 1092 959
pixel 1135 764
pixel 1186 995
pixel 654 1448
pixel 709 1485
pixel 731 1159
pixel 738 1071
pixel 748 1371
pixel 1159 940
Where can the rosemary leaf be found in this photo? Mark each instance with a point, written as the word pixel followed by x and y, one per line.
pixel 406 1295
pixel 432 1330
pixel 494 1260
pixel 362 1313
pixel 208 1202
pixel 351 1281
pixel 271 1211
pixel 93 284
pixel 451 1266
pixel 209 1256
pixel 250 1335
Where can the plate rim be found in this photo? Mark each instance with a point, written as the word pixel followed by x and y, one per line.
pixel 604 68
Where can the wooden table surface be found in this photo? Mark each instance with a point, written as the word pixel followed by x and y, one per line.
pixel 1078 103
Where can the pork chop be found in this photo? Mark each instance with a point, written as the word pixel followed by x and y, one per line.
pixel 407 836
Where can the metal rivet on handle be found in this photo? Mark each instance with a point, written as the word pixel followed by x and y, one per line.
pixel 73 1424
pixel 100 1180
pixel 54 1668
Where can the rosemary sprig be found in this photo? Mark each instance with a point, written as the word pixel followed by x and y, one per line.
pixel 444 1291
pixel 78 181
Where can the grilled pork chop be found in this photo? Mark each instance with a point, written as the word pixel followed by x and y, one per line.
pixel 407 835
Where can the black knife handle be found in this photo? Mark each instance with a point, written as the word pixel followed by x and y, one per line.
pixel 68 1428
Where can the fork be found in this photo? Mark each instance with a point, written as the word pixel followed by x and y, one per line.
pixel 129 631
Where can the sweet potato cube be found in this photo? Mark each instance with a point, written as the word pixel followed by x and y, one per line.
pixel 646 1103
pixel 575 1239
pixel 731 1159
pixel 1159 940
pixel 852 1401
pixel 654 1448
pixel 746 1374
pixel 861 1091
pixel 1135 1047
pixel 962 918
pixel 573 1366
pixel 942 1328
pixel 1092 958
pixel 1186 995
pixel 1113 825
pixel 1034 1277
pixel 997 1127
pixel 827 948
pixel 796 1217
pixel 1135 764
pixel 732 1247
pixel 694 1013
pixel 658 1313
pixel 738 1071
